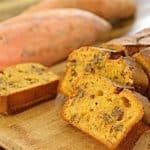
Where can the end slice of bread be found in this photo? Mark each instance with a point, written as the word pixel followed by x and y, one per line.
pixel 24 85
pixel 101 109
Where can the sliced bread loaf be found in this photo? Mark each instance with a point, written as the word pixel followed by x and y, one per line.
pixel 89 60
pixel 24 85
pixel 103 110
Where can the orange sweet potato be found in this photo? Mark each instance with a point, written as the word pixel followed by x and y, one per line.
pixel 48 37
pixel 108 9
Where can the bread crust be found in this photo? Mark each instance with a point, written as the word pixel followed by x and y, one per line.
pixel 25 85
pixel 146 106
pixel 130 44
pixel 21 100
pixel 143 58
pixel 140 79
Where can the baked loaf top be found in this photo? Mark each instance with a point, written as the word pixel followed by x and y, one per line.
pixel 24 76
pixel 91 60
pixel 130 44
pixel 103 110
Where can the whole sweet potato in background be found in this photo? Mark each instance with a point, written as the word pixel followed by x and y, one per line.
pixel 109 9
pixel 48 37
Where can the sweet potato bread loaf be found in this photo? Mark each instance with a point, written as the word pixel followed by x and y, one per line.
pixel 26 84
pixel 114 9
pixel 98 108
pixel 91 60
pixel 130 44
pixel 144 142
pixel 48 37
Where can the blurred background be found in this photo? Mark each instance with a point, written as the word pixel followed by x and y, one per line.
pixel 142 19
pixel 10 8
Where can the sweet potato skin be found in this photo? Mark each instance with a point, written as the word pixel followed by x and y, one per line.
pixel 114 9
pixel 48 37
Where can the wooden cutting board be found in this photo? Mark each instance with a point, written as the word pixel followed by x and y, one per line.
pixel 42 128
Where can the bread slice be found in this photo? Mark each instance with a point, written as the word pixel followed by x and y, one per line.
pixel 110 64
pixel 144 142
pixel 130 44
pixel 24 85
pixel 103 110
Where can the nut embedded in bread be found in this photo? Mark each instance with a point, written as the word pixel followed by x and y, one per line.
pixel 98 110
pixel 26 84
pixel 91 60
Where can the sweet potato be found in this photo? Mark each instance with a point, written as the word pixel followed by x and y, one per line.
pixel 109 9
pixel 49 36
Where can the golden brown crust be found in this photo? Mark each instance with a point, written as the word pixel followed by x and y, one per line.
pixel 24 85
pixel 143 58
pixel 130 44
pixel 140 79
pixel 22 100
pixel 146 106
